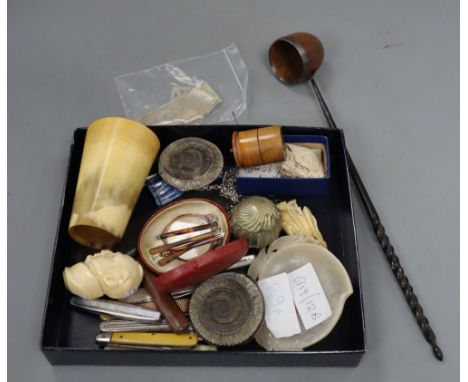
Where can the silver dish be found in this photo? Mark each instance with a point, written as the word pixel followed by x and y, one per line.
pixel 258 220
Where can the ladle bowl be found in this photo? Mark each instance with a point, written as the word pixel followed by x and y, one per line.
pixel 295 58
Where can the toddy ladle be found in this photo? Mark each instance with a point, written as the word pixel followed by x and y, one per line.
pixel 294 59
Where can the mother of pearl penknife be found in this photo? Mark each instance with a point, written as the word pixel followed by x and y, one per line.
pixel 148 339
pixel 117 309
pixel 121 347
pixel 132 326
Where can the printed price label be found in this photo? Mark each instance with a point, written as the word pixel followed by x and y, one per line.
pixel 280 314
pixel 309 297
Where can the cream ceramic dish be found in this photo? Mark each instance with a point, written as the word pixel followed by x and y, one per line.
pixel 333 278
pixel 179 215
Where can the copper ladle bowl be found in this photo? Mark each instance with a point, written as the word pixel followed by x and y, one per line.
pixel 295 58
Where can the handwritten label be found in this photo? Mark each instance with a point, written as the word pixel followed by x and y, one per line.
pixel 309 297
pixel 267 171
pixel 280 314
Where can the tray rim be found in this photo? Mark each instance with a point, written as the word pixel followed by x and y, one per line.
pixel 57 232
pixel 50 351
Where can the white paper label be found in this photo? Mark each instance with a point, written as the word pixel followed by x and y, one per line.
pixel 267 171
pixel 311 302
pixel 280 314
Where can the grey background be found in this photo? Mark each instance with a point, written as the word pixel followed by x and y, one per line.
pixel 391 78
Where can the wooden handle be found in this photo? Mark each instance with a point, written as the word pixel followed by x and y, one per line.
pixel 384 240
pixel 166 304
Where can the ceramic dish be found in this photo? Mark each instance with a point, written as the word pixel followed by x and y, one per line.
pixel 178 215
pixel 333 278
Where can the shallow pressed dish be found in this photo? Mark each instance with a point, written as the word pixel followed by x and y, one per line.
pixel 335 283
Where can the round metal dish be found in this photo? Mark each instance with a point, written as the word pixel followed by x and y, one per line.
pixel 190 163
pixel 257 219
pixel 227 309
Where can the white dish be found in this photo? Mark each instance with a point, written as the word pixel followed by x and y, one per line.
pixel 333 278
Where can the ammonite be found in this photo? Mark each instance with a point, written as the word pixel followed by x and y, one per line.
pixel 190 163
pixel 227 309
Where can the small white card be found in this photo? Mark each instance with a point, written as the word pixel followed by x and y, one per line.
pixel 309 297
pixel 280 314
pixel 271 170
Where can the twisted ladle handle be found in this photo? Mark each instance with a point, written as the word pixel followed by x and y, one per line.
pixel 384 241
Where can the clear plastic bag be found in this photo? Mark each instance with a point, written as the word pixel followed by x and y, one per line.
pixel 207 89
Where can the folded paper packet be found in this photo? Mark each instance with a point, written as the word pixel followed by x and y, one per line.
pixel 305 160
pixel 302 162
pixel 186 109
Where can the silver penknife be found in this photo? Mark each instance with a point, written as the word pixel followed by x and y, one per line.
pixel 152 348
pixel 243 262
pixel 141 295
pixel 132 326
pixel 117 309
pixel 138 297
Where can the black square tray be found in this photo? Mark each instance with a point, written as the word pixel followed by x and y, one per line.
pixel 68 335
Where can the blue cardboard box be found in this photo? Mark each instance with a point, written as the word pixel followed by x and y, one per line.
pixel 264 185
